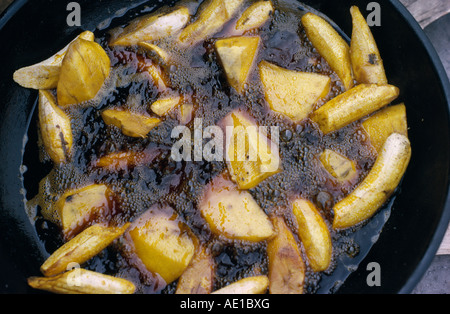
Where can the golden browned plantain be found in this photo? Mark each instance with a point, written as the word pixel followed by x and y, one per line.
pixel 353 105
pixel 331 46
pixel 378 186
pixel 255 16
pixel 251 156
pixel 158 76
pixel 84 70
pixel 249 285
pixel 286 266
pixel 45 75
pixel 340 167
pixel 234 214
pixel 162 242
pixel 367 64
pixel 152 27
pixel 132 124
pixel 82 248
pixel 81 281
pixel 314 234
pixel 384 123
pixel 237 55
pixel 55 127
pixel 292 93
pixel 211 18
pixel 198 278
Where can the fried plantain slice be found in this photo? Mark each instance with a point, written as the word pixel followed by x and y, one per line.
pixel 55 127
pixel 45 75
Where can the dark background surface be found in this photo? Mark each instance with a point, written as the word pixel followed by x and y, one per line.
pixel 437 278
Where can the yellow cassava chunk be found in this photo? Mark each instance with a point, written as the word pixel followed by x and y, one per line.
pixel 76 208
pixel 314 234
pixel 115 162
pixel 255 16
pixel 251 156
pixel 286 266
pixel 45 75
pixel 186 113
pixel 234 214
pixel 237 55
pixel 331 46
pixel 55 127
pixel 383 124
pixel 292 93
pixel 367 64
pixel 132 124
pixel 84 70
pixel 162 243
pixel 338 166
pixel 152 27
pixel 353 105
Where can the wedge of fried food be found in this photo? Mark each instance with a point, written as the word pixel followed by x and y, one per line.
pixel 164 105
pixel 162 242
pixel 186 113
pixel 340 167
pixel 331 46
pixel 81 281
pixel 76 208
pixel 234 214
pixel 82 248
pixel 198 278
pixel 292 93
pixel 211 18
pixel 152 27
pixel 378 186
pixel 255 16
pixel 251 156
pixel 249 285
pixel 314 234
pixel 367 64
pixel 286 266
pixel 237 55
pixel 353 105
pixel 384 123
pixel 56 128
pixel 132 124
pixel 45 75
pixel 84 70
pixel 154 52
pixel 126 160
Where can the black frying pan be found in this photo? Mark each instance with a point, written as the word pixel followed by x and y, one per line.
pixel 31 29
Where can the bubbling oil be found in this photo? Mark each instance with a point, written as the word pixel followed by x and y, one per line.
pixel 196 72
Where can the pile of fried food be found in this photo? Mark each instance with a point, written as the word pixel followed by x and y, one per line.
pixel 77 73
